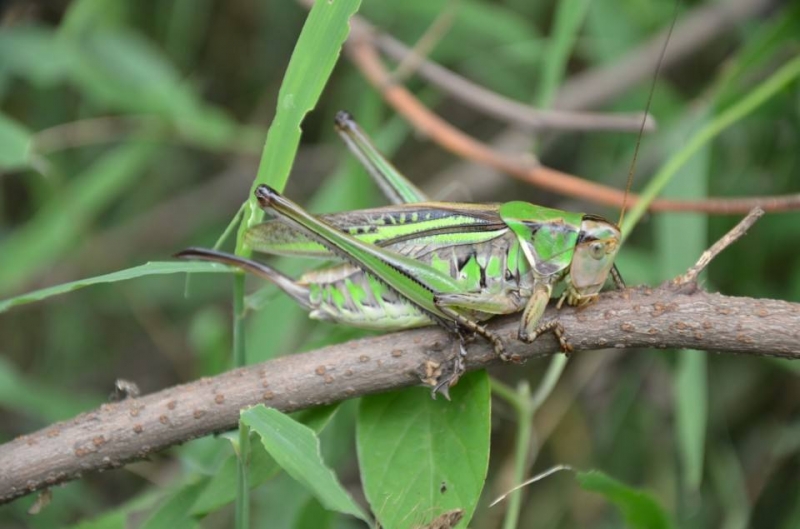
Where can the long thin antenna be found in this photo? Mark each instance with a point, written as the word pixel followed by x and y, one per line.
pixel 632 170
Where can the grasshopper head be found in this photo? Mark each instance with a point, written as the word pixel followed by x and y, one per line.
pixel 597 246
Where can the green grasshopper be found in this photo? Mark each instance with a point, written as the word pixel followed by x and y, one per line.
pixel 419 262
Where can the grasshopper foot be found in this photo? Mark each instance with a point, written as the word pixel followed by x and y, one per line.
pixel 551 326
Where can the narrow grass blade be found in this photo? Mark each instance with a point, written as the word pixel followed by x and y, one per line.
pixel 148 269
pixel 310 66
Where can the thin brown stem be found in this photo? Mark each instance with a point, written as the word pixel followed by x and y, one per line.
pixel 732 236
pixel 362 52
pixel 503 108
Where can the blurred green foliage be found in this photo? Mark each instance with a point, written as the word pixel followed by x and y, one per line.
pixel 129 130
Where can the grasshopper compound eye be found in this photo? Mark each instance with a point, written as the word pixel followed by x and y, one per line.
pixel 597 250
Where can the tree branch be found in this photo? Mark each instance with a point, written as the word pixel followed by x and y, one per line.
pixel 118 433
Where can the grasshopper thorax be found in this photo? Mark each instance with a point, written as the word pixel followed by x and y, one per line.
pixel 596 248
pixel 561 243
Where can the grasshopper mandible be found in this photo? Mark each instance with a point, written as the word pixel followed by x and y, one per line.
pixel 419 262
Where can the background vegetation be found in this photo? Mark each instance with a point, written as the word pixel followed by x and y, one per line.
pixel 130 130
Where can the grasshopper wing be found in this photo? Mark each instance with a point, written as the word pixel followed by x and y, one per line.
pixel 410 229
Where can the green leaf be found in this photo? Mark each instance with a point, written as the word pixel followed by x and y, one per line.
pixel 312 62
pixel 124 70
pixel 296 449
pixel 55 228
pixel 476 26
pixel 681 237
pixel 760 51
pixel 119 517
pixel 639 508
pixel 221 488
pixel 15 142
pixel 218 489
pixel 421 457
pixel 148 269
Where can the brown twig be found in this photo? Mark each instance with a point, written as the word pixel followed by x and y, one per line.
pixel 732 236
pixel 363 53
pixel 506 109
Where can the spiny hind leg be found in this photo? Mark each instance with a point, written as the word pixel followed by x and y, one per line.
pixel 530 329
